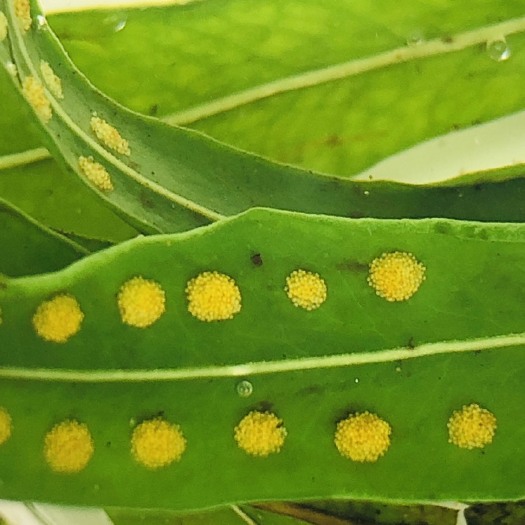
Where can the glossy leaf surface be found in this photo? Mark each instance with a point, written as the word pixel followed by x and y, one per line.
pixel 175 179
pixel 339 127
pixel 413 363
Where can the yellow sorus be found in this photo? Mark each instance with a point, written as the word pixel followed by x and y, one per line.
pixel 471 427
pixel 213 296
pixel 6 425
pixel 3 26
pixel 35 94
pixel 109 136
pixel 95 173
pixel 58 319
pixel 23 13
pixel 396 276
pixel 141 302
pixel 362 437
pixel 51 79
pixel 306 289
pixel 68 447
pixel 260 434
pixel 155 443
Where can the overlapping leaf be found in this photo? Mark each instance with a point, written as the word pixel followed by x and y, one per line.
pixel 209 57
pixel 175 179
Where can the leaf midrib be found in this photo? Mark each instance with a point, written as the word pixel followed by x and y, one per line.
pixel 111 159
pixel 499 342
pixel 315 77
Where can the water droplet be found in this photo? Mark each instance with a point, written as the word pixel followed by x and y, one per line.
pixel 498 49
pixel 367 192
pixel 356 380
pixel 398 369
pixel 415 38
pixel 244 389
pixel 116 22
pixel 132 422
pixel 11 69
pixel 41 22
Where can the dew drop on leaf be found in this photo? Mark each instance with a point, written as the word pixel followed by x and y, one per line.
pixel 415 38
pixel 498 50
pixel 244 389
pixel 41 22
pixel 116 22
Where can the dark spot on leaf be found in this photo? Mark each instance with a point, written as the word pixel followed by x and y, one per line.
pixel 348 265
pixel 256 259
pixel 411 343
pixel 333 141
pixel 309 390
pixel 146 201
pixel 447 39
pixel 442 227
pixel 356 214
pixel 108 444
pixel 264 406
pixel 153 110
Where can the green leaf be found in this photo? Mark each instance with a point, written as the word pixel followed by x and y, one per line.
pixel 43 190
pixel 209 57
pixel 29 247
pixel 224 516
pixel 458 340
pixel 175 179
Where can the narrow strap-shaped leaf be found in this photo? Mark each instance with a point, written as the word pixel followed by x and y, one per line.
pixel 28 247
pixel 250 345
pixel 173 179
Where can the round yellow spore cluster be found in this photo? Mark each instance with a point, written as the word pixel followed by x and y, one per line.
pixel 471 427
pixel 6 425
pixel 35 94
pixel 68 447
pixel 306 289
pixel 58 319
pixel 141 302
pixel 3 26
pixel 51 79
pixel 109 136
pixel 95 173
pixel 23 13
pixel 362 437
pixel 260 434
pixel 396 276
pixel 155 443
pixel 213 296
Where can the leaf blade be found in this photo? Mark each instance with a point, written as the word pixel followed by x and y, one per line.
pixel 450 305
